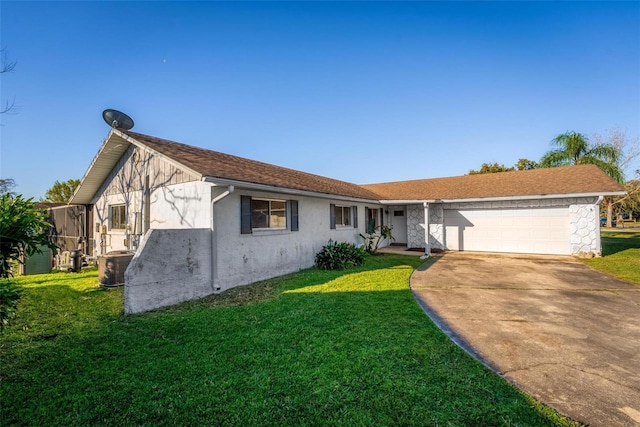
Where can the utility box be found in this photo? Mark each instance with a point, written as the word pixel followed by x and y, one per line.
pixel 38 263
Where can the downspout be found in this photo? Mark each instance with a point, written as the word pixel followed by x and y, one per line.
pixel 599 239
pixel 213 247
pixel 427 249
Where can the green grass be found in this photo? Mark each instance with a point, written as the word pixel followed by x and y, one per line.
pixel 621 255
pixel 311 348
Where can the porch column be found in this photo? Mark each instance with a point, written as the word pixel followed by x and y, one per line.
pixel 427 249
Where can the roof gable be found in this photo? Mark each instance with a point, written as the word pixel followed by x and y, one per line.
pixel 211 164
pixel 214 164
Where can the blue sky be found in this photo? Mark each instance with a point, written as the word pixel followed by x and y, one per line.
pixel 358 91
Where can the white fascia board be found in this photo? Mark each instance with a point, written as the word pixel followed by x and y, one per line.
pixel 407 202
pixel 284 190
pixel 157 153
pixel 532 197
pixel 503 198
pixel 102 162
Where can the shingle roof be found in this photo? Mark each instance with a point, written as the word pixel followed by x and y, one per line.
pixel 214 164
pixel 574 180
pixel 581 179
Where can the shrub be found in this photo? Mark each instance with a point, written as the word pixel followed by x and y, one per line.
pixel 338 256
pixel 23 228
pixel 375 236
pixel 9 296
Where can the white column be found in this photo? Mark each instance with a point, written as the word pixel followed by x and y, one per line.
pixel 427 249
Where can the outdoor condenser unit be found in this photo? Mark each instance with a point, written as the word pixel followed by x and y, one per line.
pixel 111 267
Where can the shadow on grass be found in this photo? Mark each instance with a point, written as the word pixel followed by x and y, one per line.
pixel 614 242
pixel 58 276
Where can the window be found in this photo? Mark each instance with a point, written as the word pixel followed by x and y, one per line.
pixel 267 213
pixel 343 216
pixel 398 213
pixel 117 216
pixel 373 219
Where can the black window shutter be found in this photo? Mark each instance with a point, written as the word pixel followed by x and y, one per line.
pixel 293 204
pixel 245 214
pixel 381 216
pixel 355 216
pixel 332 216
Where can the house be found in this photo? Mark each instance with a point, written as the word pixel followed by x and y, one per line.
pixel 201 221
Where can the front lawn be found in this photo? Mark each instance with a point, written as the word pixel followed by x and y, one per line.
pixel 621 255
pixel 311 348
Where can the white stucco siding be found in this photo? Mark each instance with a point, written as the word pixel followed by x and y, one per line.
pixel 175 200
pixel 177 206
pixel 174 265
pixel 170 267
pixel 184 205
pixel 246 258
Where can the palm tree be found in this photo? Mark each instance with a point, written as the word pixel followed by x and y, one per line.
pixel 573 148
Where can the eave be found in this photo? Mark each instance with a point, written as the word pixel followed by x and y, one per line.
pixel 112 149
pixel 283 190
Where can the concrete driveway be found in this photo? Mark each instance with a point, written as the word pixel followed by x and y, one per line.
pixel 561 332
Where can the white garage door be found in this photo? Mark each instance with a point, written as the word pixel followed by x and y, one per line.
pixel 534 231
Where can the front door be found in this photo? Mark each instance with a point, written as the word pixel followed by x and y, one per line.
pixel 398 222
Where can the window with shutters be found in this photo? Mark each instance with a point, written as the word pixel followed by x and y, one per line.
pixel 267 214
pixel 343 216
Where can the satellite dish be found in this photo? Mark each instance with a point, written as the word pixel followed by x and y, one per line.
pixel 117 119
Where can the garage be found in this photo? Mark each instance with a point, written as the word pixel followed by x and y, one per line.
pixel 518 230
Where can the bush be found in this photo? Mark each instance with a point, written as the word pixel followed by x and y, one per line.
pixel 23 229
pixel 338 256
pixel 375 236
pixel 9 296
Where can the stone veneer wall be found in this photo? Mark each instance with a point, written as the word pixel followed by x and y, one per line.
pixel 583 215
pixel 585 229
pixel 436 226
pixel 415 226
